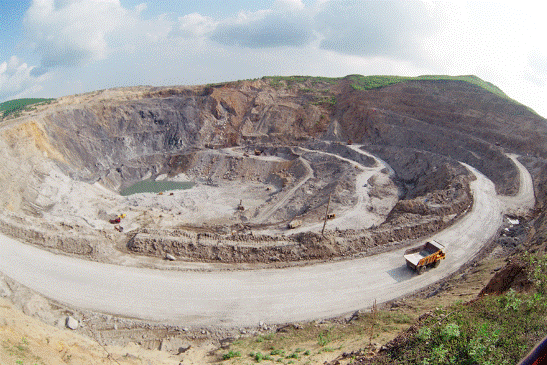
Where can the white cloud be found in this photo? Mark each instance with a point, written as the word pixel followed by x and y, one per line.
pixel 72 32
pixel 501 43
pixel 375 28
pixel 286 24
pixel 194 25
pixel 16 79
pixel 288 5
pixel 140 8
pixel 536 70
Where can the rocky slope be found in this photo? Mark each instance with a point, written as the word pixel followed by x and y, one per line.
pixel 97 143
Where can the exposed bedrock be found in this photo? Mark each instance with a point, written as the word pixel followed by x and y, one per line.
pixel 279 150
pixel 426 211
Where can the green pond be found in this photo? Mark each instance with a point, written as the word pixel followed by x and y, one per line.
pixel 152 186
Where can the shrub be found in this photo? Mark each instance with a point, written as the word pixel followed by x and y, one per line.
pixel 324 338
pixel 510 300
pixel 537 271
pixel 424 333
pixel 277 352
pixel 231 355
pixel 450 331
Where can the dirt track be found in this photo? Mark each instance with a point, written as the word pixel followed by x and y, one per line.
pixel 243 298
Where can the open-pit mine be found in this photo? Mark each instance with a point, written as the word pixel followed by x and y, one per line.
pixel 271 200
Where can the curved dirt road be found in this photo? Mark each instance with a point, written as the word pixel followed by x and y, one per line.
pixel 243 298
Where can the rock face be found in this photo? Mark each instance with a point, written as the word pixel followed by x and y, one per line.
pixel 123 139
pixel 87 147
pixel 71 323
pixel 5 291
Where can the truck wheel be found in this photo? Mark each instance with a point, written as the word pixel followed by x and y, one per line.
pixel 420 270
pixel 437 263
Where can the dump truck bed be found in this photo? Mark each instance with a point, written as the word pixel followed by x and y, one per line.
pixel 414 255
pixel 414 258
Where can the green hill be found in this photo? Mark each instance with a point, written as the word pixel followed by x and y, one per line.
pixel 16 106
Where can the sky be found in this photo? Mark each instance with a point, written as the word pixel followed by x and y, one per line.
pixel 52 48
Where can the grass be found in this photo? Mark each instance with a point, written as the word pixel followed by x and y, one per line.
pixel 311 342
pixel 324 338
pixel 277 81
pixel 495 329
pixel 374 82
pixel 360 82
pixel 14 108
pixel 231 354
pixel 20 351
pixel 325 101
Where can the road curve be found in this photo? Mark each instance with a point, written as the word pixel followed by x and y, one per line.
pixel 525 199
pixel 244 298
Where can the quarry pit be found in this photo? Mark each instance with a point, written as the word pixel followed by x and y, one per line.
pixel 283 200
pixel 259 176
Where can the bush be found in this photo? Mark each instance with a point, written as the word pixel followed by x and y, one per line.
pixel 492 330
pixel 231 354
pixel 537 271
pixel 258 356
pixel 450 331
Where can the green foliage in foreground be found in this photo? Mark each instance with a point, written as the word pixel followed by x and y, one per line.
pixel 231 355
pixel 15 107
pixel 496 329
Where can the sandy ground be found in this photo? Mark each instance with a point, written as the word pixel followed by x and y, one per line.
pixel 26 340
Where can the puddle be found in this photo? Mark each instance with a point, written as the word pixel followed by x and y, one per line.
pixel 152 186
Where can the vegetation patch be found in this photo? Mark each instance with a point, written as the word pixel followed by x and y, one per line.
pixel 436 335
pixel 19 352
pixel 374 82
pixel 313 343
pixel 495 329
pixel 289 81
pixel 325 101
pixel 360 82
pixel 14 108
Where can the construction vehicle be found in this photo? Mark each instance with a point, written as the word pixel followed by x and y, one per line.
pixel 118 219
pixel 295 223
pixel 427 255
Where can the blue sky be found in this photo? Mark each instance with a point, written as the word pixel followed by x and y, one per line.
pixel 51 48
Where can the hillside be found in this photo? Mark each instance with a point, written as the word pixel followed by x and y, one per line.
pixel 383 152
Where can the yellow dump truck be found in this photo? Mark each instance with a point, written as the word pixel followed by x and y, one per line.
pixel 429 254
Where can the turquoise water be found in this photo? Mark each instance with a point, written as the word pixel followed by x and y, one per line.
pixel 152 186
